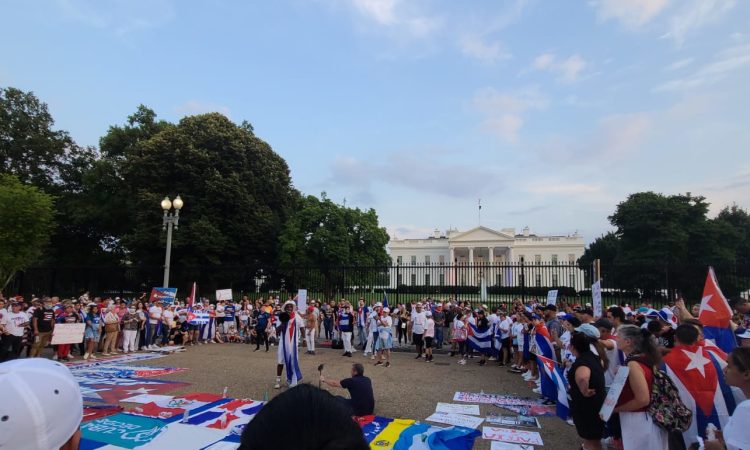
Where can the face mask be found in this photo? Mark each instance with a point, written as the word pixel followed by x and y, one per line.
pixel 131 310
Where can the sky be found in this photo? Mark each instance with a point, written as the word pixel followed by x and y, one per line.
pixel 550 112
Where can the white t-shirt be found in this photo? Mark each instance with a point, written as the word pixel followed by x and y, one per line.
pixel 418 320
pixel 429 328
pixel 504 326
pixel 614 363
pixel 517 331
pixel 220 310
pixel 154 314
pixel 736 431
pixel 13 321
pixel 168 317
pixel 385 327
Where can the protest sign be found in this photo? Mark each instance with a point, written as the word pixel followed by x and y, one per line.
pixel 614 393
pixel 512 436
pixel 164 295
pixel 122 430
pixel 457 409
pixel 533 411
pixel 302 299
pixel 68 333
pixel 507 446
pixel 552 297
pixel 223 294
pixel 459 420
pixel 497 399
pixel 518 421
pixel 596 298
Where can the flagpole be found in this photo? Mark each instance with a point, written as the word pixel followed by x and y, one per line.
pixel 479 212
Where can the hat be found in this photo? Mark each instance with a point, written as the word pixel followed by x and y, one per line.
pixel 419 304
pixel 386 310
pixel 603 323
pixel 288 302
pixel 745 335
pixel 668 316
pixel 310 308
pixel 428 314
pixel 574 321
pixel 42 405
pixel 567 317
pixel 380 305
pixel 589 330
pixel 588 311
pixel 535 317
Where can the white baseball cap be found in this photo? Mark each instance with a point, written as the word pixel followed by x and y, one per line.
pixel 40 404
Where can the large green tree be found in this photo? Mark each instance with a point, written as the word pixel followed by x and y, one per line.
pixel 26 215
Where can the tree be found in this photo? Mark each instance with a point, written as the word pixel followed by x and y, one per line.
pixel 324 235
pixel 25 225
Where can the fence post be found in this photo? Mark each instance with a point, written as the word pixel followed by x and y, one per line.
pixel 523 283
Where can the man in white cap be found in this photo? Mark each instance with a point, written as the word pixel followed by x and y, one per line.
pixel 385 338
pixel 41 407
pixel 372 329
pixel 418 322
pixel 287 352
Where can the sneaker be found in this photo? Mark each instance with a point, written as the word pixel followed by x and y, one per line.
pixel 85 356
pixel 418 356
pixel 462 362
pixel 388 364
pixel 379 363
pixel 570 422
pixel 481 363
pixel 492 358
pixel 537 390
pixel 92 356
pixel 277 385
pixel 105 354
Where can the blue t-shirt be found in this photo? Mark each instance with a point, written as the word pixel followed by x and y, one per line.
pixel 95 320
pixel 345 323
pixel 229 312
pixel 262 321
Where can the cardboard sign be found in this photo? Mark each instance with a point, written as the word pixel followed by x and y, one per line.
pixel 552 297
pixel 512 436
pixel 596 298
pixel 457 409
pixel 302 299
pixel 458 420
pixel 614 393
pixel 496 399
pixel 515 421
pixel 164 295
pixel 68 333
pixel 223 294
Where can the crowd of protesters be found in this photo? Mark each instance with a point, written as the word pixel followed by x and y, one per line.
pixel 591 349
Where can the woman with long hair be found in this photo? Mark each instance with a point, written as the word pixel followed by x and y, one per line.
pixel 639 431
pixel 587 391
pixel 92 332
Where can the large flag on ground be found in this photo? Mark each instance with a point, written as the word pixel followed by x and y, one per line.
pixel 480 338
pixel 698 375
pixel 235 413
pixel 715 314
pixel 405 434
pixel 560 394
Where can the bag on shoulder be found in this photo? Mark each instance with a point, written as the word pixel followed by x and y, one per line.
pixel 666 407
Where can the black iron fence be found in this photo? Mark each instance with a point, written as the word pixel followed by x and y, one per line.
pixel 490 283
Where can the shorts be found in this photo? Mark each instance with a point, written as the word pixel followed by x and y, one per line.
pixel 428 342
pixel 91 334
pixel 416 339
pixel 192 327
pixel 384 342
pixel 505 343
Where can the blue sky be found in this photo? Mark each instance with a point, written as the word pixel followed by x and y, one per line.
pixel 551 112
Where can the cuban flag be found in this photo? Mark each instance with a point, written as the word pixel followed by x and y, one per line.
pixel 288 349
pixel 480 339
pixel 228 416
pixel 190 300
pixel 698 375
pixel 197 317
pixel 544 349
pixel 715 314
pixel 208 329
pixel 385 300
pixel 555 373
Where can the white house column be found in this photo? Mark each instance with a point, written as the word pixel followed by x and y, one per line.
pixel 471 280
pixel 491 258
pixel 471 255
pixel 453 256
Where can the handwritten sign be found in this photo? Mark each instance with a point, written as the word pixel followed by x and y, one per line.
pixel 68 333
pixel 552 297
pixel 458 420
pixel 512 436
pixel 596 297
pixel 506 446
pixel 223 294
pixel 614 393
pixel 302 299
pixel 457 409
pixel 496 399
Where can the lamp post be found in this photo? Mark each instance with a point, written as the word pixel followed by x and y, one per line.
pixel 170 220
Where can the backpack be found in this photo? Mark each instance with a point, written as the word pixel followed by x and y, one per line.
pixel 666 407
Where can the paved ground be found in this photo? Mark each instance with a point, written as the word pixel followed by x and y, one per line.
pixel 407 389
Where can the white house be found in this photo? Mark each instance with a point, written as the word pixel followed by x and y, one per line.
pixel 501 257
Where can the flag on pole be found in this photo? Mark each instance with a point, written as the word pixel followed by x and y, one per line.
pixel 560 394
pixel 715 314
pixel 385 299
pixel 191 298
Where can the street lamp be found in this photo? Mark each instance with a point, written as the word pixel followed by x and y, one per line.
pixel 168 222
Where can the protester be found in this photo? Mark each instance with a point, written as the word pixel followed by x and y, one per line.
pixel 68 316
pixel 385 338
pixel 346 326
pixel 429 336
pixel 639 431
pixel 372 330
pixel 418 322
pixel 92 333
pixel 311 327
pixel 362 313
pixel 262 322
pixel 736 433
pixel 130 325
pixel 154 324
pixel 325 423
pixel 111 329
pixel 362 399
pixel 42 325
pixel 287 353
pixel 587 389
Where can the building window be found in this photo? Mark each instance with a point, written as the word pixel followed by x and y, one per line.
pixel 498 279
pixel 554 260
pixel 521 258
pixel 555 280
pixel 572 280
pixel 427 279
pixel 414 279
pixel 538 280
pixel 413 260
pixel 427 259
pixel 441 259
pixel 571 259
pixel 400 280
pixel 442 279
pixel 399 260
pixel 538 259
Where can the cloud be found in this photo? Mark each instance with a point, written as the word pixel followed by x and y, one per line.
pixel 504 111
pixel 485 51
pixel 193 107
pixel 679 64
pixel 695 14
pixel 567 69
pixel 408 231
pixel 631 13
pixel 121 17
pixel 566 188
pixel 724 63
pixel 397 15
pixel 419 171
